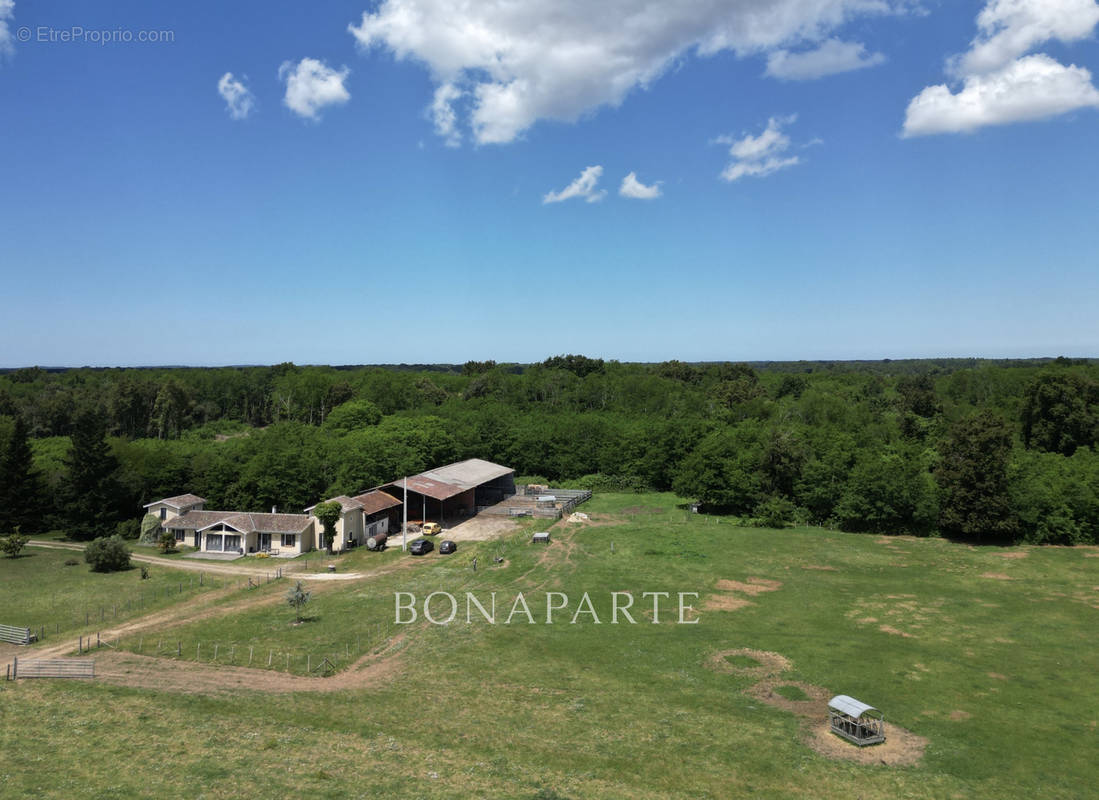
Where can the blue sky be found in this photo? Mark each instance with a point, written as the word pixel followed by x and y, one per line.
pixel 811 179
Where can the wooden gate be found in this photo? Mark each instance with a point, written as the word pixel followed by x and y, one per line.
pixel 53 668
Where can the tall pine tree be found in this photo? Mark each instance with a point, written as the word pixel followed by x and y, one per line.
pixel 93 499
pixel 20 493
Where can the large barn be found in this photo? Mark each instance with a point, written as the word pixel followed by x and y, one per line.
pixel 449 494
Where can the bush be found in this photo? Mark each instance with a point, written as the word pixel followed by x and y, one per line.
pixel 776 512
pixel 71 562
pixel 167 542
pixel 129 528
pixel 107 554
pixel 13 543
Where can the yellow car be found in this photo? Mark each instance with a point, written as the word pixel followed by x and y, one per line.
pixel 432 528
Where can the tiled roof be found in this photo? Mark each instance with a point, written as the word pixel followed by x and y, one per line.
pixel 180 501
pixel 373 502
pixel 244 522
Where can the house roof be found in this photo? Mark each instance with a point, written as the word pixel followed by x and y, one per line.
pixel 375 501
pixel 369 502
pixel 242 521
pixel 179 501
pixel 346 503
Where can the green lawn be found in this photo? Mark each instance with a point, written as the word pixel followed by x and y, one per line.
pixel 990 658
pixel 41 590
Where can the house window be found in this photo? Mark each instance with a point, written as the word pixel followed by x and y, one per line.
pixel 289 540
pixel 163 513
pixel 178 534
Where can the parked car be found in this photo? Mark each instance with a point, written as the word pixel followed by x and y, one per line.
pixel 421 547
pixel 432 528
pixel 447 547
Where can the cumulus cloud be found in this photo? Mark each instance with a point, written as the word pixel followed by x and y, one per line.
pixel 443 114
pixel 584 186
pixel 239 101
pixel 558 59
pixel 7 13
pixel 1028 88
pixel 1009 28
pixel 830 58
pixel 996 83
pixel 635 189
pixel 311 85
pixel 757 156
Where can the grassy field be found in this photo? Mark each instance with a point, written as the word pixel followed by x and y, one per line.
pixel 988 654
pixel 44 589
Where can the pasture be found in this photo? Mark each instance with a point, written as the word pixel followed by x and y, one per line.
pixel 981 658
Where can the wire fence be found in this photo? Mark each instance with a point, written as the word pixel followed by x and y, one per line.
pixel 322 660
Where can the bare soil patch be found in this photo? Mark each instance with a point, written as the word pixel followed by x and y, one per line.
pixel 770 664
pixel 1015 554
pixel 997 576
pixel 821 567
pixel 901 747
pixel 815 705
pixel 894 632
pixel 726 602
pixel 753 587
pixel 997 676
pixel 960 716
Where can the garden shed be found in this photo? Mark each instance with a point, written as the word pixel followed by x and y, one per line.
pixel 855 721
pixel 541 537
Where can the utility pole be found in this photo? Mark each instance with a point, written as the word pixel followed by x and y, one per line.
pixel 404 527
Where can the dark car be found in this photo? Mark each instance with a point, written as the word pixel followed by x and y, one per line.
pixel 421 547
pixel 447 547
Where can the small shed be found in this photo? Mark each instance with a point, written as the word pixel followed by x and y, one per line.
pixel 542 537
pixel 855 721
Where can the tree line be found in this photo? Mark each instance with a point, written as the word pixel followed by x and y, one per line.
pixel 988 451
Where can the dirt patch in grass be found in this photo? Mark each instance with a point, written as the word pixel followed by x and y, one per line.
pixel 960 716
pixel 726 602
pixel 770 664
pixel 894 632
pixel 814 705
pixel 188 677
pixel 753 587
pixel 997 676
pixel 1015 554
pixel 997 576
pixel 821 567
pixel 901 747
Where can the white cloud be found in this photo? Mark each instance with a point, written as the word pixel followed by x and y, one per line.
pixel 7 13
pixel 443 114
pixel 558 59
pixel 757 156
pixel 1009 28
pixel 1032 87
pixel 239 101
pixel 832 57
pixel 584 186
pixel 999 83
pixel 311 85
pixel 633 188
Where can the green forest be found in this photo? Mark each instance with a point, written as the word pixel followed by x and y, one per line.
pixel 989 451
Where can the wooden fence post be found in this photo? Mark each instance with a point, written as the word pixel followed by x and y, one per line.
pixel 15 668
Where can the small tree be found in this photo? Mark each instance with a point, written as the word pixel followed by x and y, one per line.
pixel 107 554
pixel 167 542
pixel 328 514
pixel 297 597
pixel 150 529
pixel 13 543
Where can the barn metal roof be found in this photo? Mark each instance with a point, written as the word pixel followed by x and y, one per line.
pixel 469 473
pixel 850 706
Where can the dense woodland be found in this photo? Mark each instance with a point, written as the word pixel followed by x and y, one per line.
pixel 988 451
